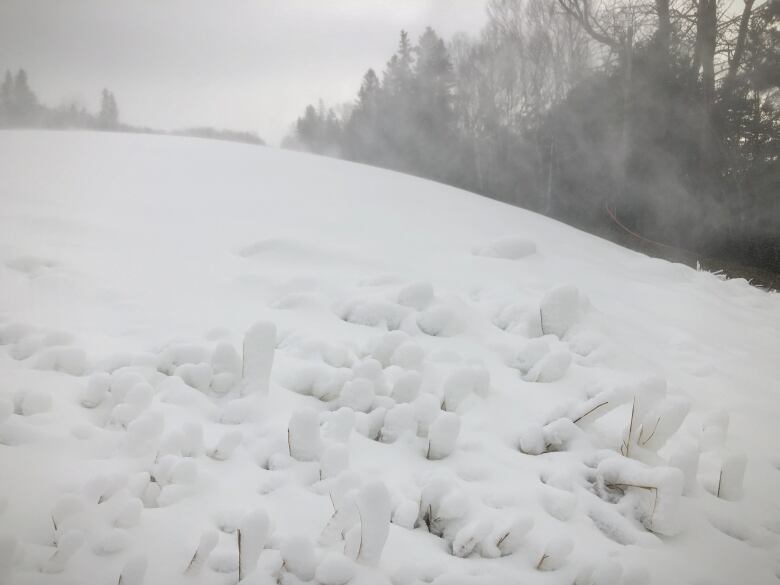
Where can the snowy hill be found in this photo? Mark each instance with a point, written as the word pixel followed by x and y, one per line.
pixel 370 377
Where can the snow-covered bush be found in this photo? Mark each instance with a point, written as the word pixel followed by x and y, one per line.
pixel 373 505
pixel 686 459
pixel 559 504
pixel 550 368
pixel 140 395
pixel 555 553
pixel 559 434
pixel 531 353
pixel 505 536
pixel 407 387
pixel 426 409
pixel 531 440
pixel 507 248
pixel 129 514
pixel 32 401
pixel 442 435
pixel 656 490
pixel 370 424
pixel 100 488
pixel 367 369
pixel 606 572
pixel 226 445
pixel 731 477
pixel 299 558
pixel 67 514
pixel 336 355
pixel 134 571
pixel 258 352
pixel 96 390
pixel 334 569
pixel 198 376
pixel 417 295
pixel 67 545
pixel 372 313
pixel 339 424
pixel 253 533
pixel 303 435
pixel 654 418
pixel 358 395
pixel 408 355
pixel 237 411
pixel 522 318
pixel 111 542
pixel 206 544
pixel 463 382
pixel 333 460
pixel 71 360
pixel 329 382
pixel 405 513
pixel 439 321
pixel 559 310
pixel 192 444
pixel 225 360
pixel 385 346
pixel 122 380
pixel 714 429
pixel 177 354
pixel 468 537
pixel 143 432
pixel 399 420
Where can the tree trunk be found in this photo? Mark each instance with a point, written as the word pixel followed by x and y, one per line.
pixel 664 34
pixel 739 47
pixel 706 30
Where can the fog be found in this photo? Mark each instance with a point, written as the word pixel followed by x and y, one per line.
pixel 653 123
pixel 244 65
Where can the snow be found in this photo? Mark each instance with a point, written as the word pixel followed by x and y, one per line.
pixel 443 435
pixel 253 533
pixel 303 435
pixel 170 308
pixel 507 248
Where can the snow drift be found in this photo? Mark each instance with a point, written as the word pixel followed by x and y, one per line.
pixel 224 362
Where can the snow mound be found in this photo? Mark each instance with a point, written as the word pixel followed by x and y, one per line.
pixel 507 248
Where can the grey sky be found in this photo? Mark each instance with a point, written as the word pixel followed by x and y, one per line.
pixel 240 64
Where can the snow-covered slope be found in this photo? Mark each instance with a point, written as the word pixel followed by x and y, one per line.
pixel 525 402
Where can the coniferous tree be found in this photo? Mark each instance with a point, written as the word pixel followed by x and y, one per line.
pixel 6 97
pixel 22 108
pixel 616 119
pixel 108 117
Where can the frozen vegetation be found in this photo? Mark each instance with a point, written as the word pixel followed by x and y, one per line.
pixel 224 364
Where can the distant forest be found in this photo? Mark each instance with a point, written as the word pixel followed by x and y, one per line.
pixel 21 108
pixel 650 122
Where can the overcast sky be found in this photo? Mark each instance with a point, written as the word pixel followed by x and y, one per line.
pixel 239 64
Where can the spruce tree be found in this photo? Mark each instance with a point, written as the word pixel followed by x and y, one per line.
pixel 108 118
pixel 6 96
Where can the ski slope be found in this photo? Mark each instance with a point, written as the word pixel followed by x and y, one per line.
pixel 370 377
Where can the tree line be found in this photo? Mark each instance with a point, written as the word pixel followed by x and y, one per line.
pixel 21 108
pixel 659 116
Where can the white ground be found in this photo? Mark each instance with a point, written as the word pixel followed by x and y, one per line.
pixel 125 261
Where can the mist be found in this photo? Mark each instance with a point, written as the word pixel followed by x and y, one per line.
pixel 389 292
pixel 248 66
pixel 652 124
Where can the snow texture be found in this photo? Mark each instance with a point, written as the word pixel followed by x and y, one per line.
pixel 302 352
